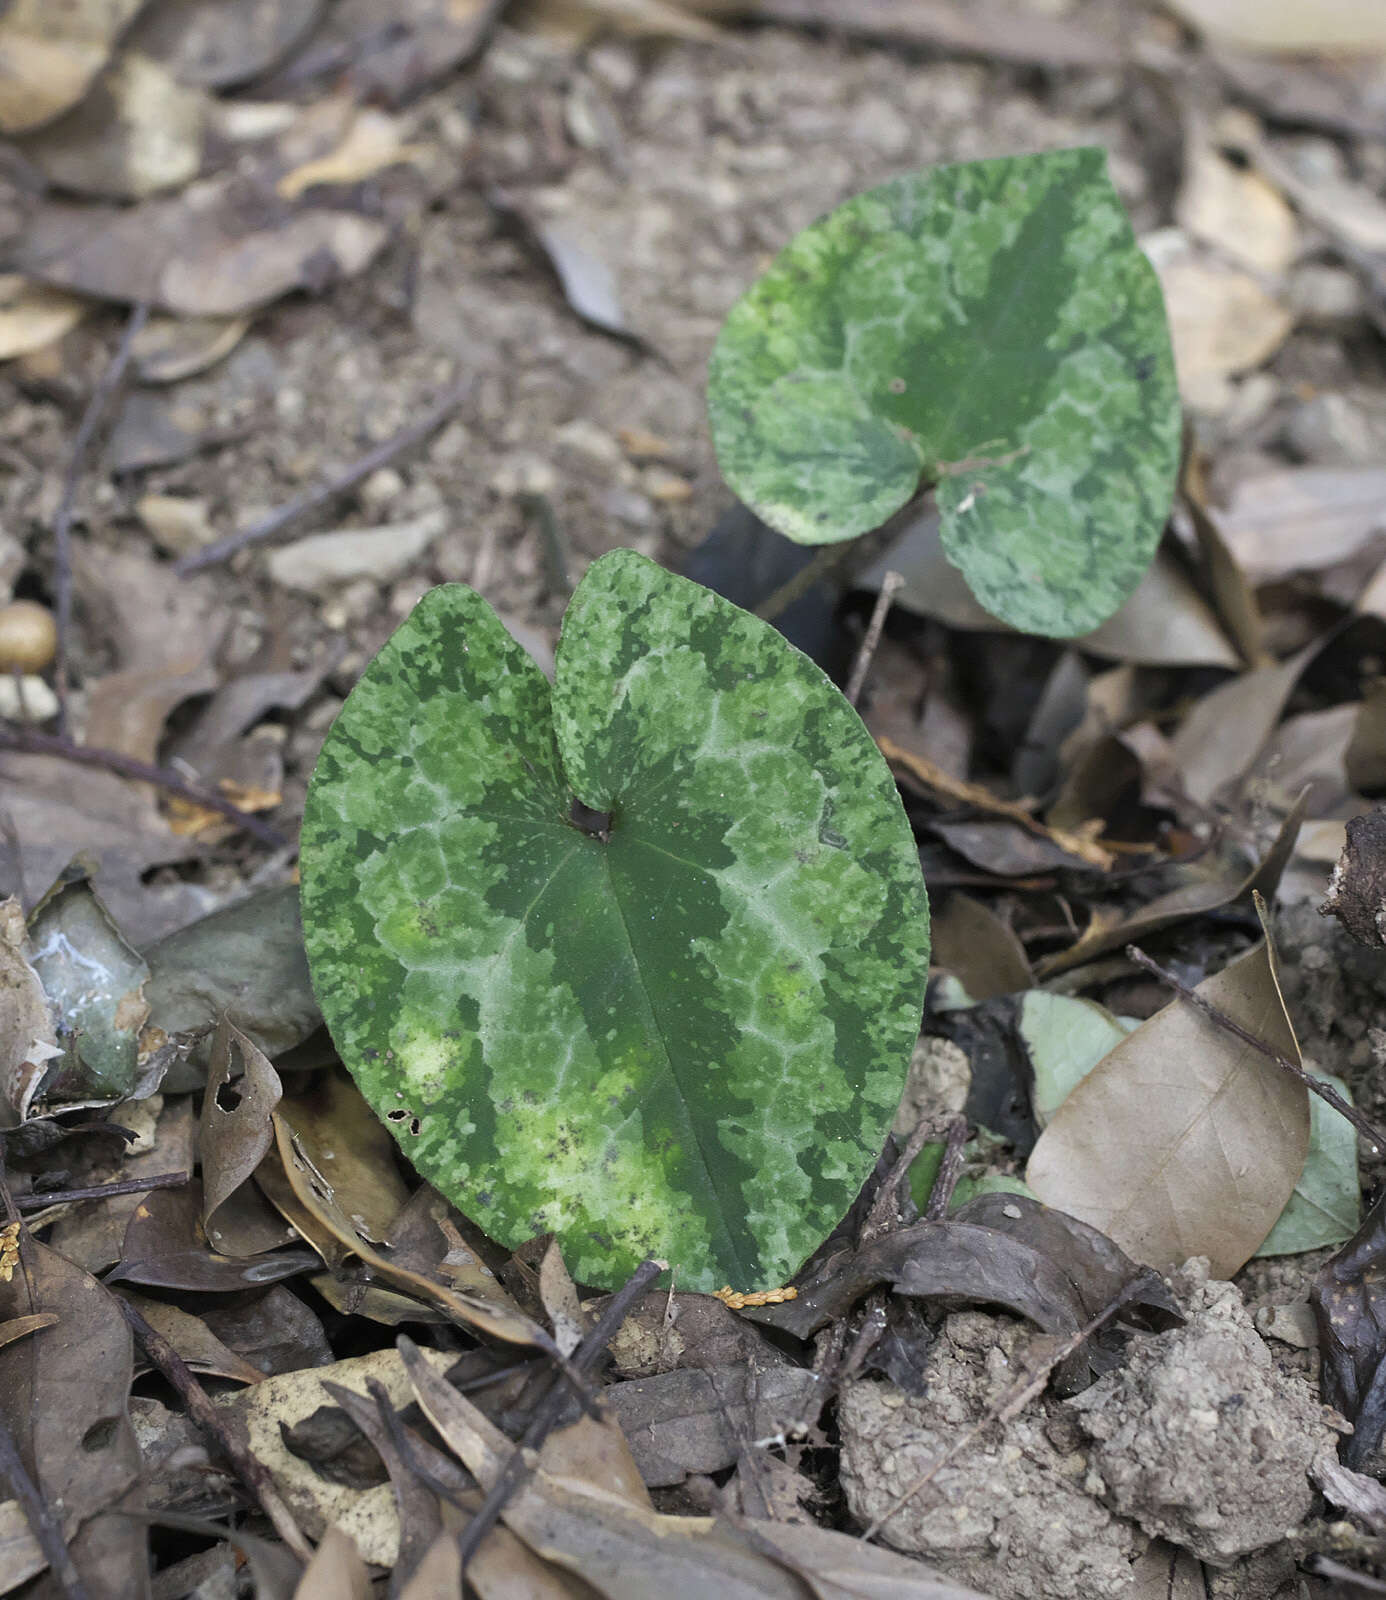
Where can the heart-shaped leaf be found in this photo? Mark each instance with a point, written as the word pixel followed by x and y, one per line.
pixel 992 328
pixel 639 959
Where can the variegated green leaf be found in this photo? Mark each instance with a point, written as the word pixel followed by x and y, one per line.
pixel 991 328
pixel 679 1026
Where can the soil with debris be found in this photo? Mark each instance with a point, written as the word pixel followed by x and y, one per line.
pixel 1195 1439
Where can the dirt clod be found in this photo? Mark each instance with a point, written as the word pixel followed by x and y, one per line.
pixel 1198 1437
pixel 1010 1514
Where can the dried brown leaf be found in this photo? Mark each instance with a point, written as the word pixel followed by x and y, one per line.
pixel 1238 212
pixel 969 940
pixel 1304 519
pixel 1184 1141
pixel 33 316
pixel 22 1327
pixel 192 1339
pixel 209 43
pixel 1199 896
pixel 168 349
pixel 985 28
pixel 1345 26
pixel 494 1314
pixel 1222 321
pixel 258 1416
pixel 136 132
pixel 51 55
pixel 700 1419
pixel 91 1235
pixel 1218 741
pixel 165 1247
pixel 336 1571
pixel 28 1027
pixel 628 1553
pixel 63 1397
pixel 235 1131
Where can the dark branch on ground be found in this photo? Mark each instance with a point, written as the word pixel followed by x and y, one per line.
pixel 549 1410
pixel 252 1473
pixel 330 488
pixel 29 741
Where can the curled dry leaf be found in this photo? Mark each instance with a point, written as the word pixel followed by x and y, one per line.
pixel 50 56
pixel 235 1131
pixel 493 1313
pixel 32 315
pixel 1184 1141
pixel 1199 896
pixel 168 349
pixel 1346 26
pixel 137 132
pixel 166 1248
pixel 209 43
pixel 347 1148
pixel 28 1027
pixel 63 1397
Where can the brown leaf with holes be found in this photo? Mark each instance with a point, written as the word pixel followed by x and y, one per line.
pixel 235 1131
pixel 63 1397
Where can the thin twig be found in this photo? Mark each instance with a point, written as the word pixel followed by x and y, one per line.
pixel 1325 1091
pixel 48 1533
pixel 550 1408
pixel 949 1171
pixel 871 1325
pixel 101 1191
pixel 1010 1405
pixel 330 488
pixel 29 741
pixel 106 386
pixel 205 1415
pixel 889 585
pixel 404 1440
pixel 883 1215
